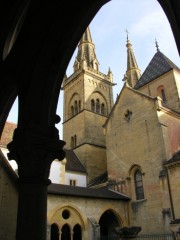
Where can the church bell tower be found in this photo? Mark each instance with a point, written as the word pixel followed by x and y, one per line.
pixel 88 99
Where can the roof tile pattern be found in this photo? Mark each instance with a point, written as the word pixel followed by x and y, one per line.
pixel 73 163
pixel 158 66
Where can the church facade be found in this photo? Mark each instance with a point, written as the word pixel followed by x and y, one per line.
pixel 130 147
pixel 122 166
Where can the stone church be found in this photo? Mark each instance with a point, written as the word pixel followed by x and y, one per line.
pixel 120 176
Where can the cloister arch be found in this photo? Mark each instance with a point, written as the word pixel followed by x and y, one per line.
pixel 108 221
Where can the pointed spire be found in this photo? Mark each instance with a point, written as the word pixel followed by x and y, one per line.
pixel 86 55
pixel 110 75
pixel 157 46
pixel 133 73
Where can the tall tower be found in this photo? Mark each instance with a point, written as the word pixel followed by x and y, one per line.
pixel 88 99
pixel 133 73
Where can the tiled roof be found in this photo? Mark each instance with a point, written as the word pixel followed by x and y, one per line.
pixel 158 66
pixel 7 133
pixel 73 163
pixel 98 180
pixel 67 190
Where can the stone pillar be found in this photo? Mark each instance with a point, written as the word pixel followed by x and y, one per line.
pixel 34 150
pixel 60 233
pixel 72 233
pixel 48 232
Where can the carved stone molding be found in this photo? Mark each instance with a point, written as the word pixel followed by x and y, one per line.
pixel 34 150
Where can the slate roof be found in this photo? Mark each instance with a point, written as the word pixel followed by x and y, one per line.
pixel 7 133
pixel 103 193
pixel 99 180
pixel 73 163
pixel 158 66
pixel 175 158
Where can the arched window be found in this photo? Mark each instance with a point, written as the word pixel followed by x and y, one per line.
pixel 97 105
pixel 138 185
pixel 77 232
pixel 163 95
pixel 72 111
pixel 65 232
pixel 54 232
pixel 92 105
pixel 102 109
pixel 75 107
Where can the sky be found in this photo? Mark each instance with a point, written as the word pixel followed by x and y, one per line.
pixel 144 20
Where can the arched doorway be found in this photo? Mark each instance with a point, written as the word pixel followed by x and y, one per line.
pixel 65 232
pixel 77 235
pixel 108 222
pixel 54 232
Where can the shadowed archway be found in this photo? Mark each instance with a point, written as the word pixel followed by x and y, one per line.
pixel 108 222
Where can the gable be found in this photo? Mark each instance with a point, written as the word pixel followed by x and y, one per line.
pixel 129 99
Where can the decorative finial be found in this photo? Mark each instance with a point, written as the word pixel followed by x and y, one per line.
pixel 127 34
pixel 157 46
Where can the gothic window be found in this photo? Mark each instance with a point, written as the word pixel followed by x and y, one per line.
pixel 97 105
pixel 102 109
pixel 77 232
pixel 54 232
pixel 75 107
pixel 73 141
pixel 138 185
pixel 65 232
pixel 72 111
pixel 92 105
pixel 163 95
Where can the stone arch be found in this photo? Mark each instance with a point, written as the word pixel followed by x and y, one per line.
pixel 131 178
pixel 133 168
pixel 76 216
pixel 54 232
pixel 107 222
pixel 77 232
pixel 162 93
pixel 74 105
pixel 121 221
pixel 66 232
pixel 96 95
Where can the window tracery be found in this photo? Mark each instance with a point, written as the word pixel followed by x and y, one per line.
pixel 138 185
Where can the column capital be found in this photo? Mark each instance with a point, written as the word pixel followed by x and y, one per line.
pixel 34 149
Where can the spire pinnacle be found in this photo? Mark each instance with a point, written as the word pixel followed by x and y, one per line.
pixel 86 56
pixel 127 34
pixel 157 46
pixel 133 73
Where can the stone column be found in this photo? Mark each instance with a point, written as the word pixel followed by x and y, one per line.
pixel 34 150
pixel 72 233
pixel 60 233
